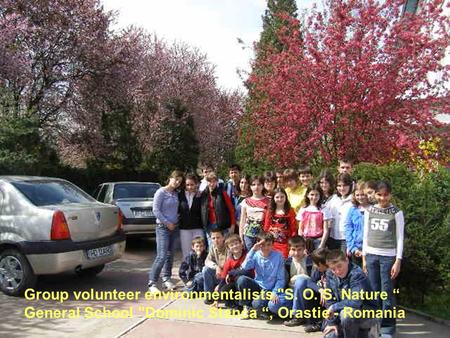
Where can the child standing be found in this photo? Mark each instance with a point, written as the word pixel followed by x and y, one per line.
pixel 314 222
pixel 252 212
pixel 383 247
pixel 339 207
pixel 191 268
pixel 279 220
pixel 354 224
pixel 327 184
pixel 294 189
pixel 270 183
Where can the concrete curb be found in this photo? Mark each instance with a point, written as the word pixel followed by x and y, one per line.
pixel 427 316
pixel 131 327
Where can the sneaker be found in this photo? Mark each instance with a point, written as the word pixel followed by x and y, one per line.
pixel 264 316
pixel 168 285
pixel 245 314
pixel 153 289
pixel 294 322
pixel 209 301
pixel 316 327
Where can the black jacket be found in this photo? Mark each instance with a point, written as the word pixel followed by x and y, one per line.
pixel 222 212
pixel 191 265
pixel 189 218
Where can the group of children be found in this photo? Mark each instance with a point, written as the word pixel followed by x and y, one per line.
pixel 297 245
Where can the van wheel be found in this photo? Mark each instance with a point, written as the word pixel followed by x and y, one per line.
pixel 16 274
pixel 90 272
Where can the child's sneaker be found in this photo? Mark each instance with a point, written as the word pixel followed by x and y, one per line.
pixel 316 327
pixel 153 289
pixel 168 285
pixel 245 314
pixel 294 322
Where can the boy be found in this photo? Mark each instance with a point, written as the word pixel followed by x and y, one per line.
pixel 345 165
pixel 317 283
pixel 344 275
pixel 214 263
pixel 232 268
pixel 298 270
pixel 305 176
pixel 232 186
pixel 206 169
pixel 191 268
pixel 269 278
pixel 369 190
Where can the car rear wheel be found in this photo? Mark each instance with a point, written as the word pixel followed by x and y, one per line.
pixel 90 272
pixel 16 274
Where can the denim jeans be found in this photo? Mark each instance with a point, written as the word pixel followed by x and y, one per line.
pixel 301 284
pixel 249 284
pixel 209 279
pixel 165 245
pixel 197 283
pixel 353 327
pixel 249 242
pixel 379 271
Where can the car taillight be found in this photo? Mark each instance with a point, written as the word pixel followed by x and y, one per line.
pixel 60 228
pixel 120 221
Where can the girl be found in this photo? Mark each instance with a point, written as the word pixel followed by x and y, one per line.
pixel 279 219
pixel 314 222
pixel 244 192
pixel 327 185
pixel 383 248
pixel 270 182
pixel 165 208
pixel 354 223
pixel 340 205
pixel 294 190
pixel 252 212
pixel 190 222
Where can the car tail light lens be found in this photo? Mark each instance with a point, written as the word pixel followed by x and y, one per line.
pixel 120 221
pixel 60 228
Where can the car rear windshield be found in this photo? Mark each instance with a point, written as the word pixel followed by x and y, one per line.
pixel 125 190
pixel 47 192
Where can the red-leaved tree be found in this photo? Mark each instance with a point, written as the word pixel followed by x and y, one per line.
pixel 359 84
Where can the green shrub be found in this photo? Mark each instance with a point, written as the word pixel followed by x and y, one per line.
pixel 425 203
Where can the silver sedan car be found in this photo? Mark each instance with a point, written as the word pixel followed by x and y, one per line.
pixel 48 226
pixel 135 200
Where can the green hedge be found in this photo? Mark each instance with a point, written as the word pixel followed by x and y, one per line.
pixel 425 203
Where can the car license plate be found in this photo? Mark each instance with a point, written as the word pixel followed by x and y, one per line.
pixel 99 252
pixel 142 213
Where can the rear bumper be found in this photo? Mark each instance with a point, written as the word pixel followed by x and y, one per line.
pixel 53 257
pixel 139 225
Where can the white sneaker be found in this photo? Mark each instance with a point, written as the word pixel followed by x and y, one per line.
pixel 245 314
pixel 168 285
pixel 153 289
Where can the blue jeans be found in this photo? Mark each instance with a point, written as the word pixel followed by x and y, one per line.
pixel 282 303
pixel 353 327
pixel 249 242
pixel 379 271
pixel 209 279
pixel 301 284
pixel 249 284
pixel 165 245
pixel 197 283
